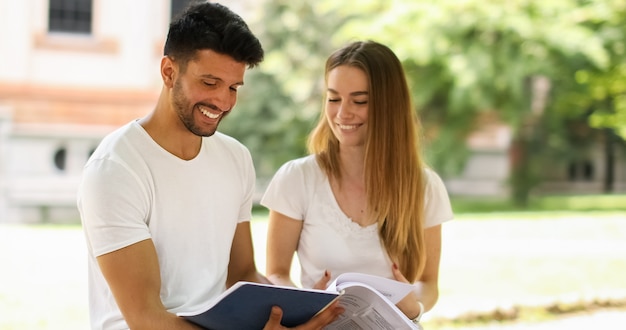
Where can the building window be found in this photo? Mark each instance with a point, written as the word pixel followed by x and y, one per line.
pixel 580 171
pixel 60 158
pixel 70 16
pixel 178 6
pixel 587 170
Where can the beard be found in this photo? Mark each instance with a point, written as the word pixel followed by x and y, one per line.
pixel 185 111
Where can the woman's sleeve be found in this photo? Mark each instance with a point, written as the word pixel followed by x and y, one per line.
pixel 437 207
pixel 286 192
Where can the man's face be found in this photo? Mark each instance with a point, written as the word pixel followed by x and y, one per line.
pixel 206 91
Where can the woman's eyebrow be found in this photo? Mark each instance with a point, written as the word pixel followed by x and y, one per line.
pixel 357 93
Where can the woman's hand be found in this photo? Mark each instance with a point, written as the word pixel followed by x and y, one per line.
pixel 409 305
pixel 322 284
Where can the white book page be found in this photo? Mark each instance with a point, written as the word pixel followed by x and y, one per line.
pixel 366 309
pixel 391 289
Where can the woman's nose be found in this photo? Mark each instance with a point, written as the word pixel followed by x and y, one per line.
pixel 344 111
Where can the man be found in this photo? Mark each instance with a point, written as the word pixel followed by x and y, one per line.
pixel 166 200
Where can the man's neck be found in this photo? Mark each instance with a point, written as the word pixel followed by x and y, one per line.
pixel 170 133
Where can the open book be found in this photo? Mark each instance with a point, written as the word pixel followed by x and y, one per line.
pixel 369 303
pixel 247 305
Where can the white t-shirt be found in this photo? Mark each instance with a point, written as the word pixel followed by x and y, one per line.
pixel 133 190
pixel 329 239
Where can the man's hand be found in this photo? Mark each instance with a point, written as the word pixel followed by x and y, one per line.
pixel 326 317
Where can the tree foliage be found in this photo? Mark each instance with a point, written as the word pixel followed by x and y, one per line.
pixel 282 98
pixel 465 59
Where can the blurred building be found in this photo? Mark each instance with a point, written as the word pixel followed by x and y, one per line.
pixel 71 71
pixel 487 168
pixel 597 166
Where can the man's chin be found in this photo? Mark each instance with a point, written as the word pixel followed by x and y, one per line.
pixel 205 133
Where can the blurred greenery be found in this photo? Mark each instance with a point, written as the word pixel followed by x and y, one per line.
pixel 554 203
pixel 504 207
pixel 554 71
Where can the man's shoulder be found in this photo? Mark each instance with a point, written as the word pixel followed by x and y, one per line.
pixel 121 133
pixel 220 142
pixel 225 140
pixel 129 131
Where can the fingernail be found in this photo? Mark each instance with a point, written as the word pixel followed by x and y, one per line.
pixel 395 266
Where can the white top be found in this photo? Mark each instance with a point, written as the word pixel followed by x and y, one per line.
pixel 329 239
pixel 133 190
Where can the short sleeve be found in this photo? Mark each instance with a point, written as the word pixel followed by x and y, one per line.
pixel 287 191
pixel 245 211
pixel 113 207
pixel 437 207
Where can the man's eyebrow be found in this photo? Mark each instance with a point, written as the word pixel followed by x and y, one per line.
pixel 210 76
pixel 357 93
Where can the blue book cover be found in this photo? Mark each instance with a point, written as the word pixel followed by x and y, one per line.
pixel 247 305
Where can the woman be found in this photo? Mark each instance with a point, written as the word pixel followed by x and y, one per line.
pixel 363 201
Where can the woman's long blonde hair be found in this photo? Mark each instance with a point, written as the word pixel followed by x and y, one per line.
pixel 394 175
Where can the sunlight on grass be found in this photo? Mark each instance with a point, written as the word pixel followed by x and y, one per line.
pixel 44 278
pixel 486 262
pixel 552 203
pixel 582 202
pixel 489 263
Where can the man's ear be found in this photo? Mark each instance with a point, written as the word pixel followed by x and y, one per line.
pixel 168 71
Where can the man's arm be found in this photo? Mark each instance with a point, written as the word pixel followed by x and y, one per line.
pixel 241 266
pixel 133 275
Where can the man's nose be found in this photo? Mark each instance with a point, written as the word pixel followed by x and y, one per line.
pixel 224 99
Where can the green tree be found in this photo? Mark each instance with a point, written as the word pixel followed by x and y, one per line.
pixel 469 58
pixel 466 60
pixel 598 92
pixel 275 114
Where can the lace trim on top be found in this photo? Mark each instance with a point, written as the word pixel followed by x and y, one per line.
pixel 334 216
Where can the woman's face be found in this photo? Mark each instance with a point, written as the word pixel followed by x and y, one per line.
pixel 347 99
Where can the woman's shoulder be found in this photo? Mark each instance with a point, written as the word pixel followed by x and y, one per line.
pixel 431 177
pixel 306 165
pixel 304 170
pixel 433 183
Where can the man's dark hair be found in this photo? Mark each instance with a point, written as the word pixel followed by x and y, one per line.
pixel 206 25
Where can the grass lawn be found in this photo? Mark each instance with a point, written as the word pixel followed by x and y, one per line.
pixel 541 259
pixel 496 260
